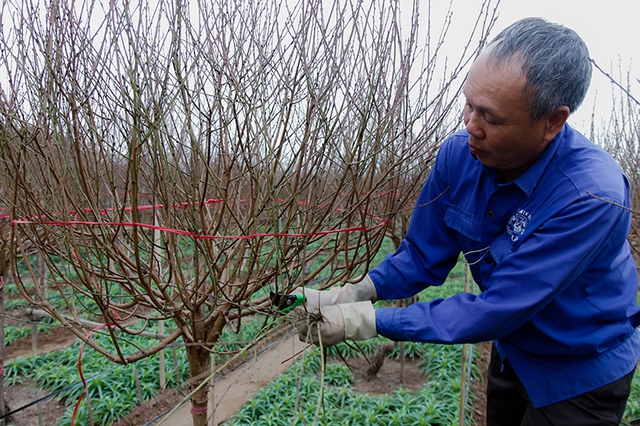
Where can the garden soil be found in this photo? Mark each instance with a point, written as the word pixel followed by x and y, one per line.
pixel 479 387
pixel 231 391
pixel 237 387
pixel 21 395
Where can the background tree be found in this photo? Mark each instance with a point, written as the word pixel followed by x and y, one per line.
pixel 620 136
pixel 177 162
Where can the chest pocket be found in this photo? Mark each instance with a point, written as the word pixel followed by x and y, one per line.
pixel 469 232
pixel 468 228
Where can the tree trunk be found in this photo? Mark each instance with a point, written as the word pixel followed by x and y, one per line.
pixel 377 360
pixel 199 367
pixel 199 357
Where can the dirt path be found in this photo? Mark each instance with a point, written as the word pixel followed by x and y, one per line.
pixel 231 391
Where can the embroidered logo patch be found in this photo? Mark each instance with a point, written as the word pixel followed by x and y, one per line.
pixel 517 224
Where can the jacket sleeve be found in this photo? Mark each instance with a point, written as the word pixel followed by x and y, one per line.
pixel 542 286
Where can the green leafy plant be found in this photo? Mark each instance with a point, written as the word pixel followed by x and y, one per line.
pixel 437 403
pixel 632 411
pixel 112 388
pixel 11 334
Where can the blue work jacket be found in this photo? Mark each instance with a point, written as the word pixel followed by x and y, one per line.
pixel 549 253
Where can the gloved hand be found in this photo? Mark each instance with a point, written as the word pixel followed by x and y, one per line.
pixel 348 293
pixel 353 321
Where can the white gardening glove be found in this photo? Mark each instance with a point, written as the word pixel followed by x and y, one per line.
pixel 352 321
pixel 348 293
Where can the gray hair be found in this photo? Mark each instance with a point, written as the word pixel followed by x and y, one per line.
pixel 554 59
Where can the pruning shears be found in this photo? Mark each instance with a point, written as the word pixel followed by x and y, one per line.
pixel 286 302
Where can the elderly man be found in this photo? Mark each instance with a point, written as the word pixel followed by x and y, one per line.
pixel 541 215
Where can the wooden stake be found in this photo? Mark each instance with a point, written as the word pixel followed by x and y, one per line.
pixel 163 373
pixel 465 350
pixel 212 396
pixel 34 337
pixel 402 355
pixel 402 363
pixel 39 407
pixel 2 412
pixel 138 388
pixel 89 412
pixel 157 243
pixel 176 368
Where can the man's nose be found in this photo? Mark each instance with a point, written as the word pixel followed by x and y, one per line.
pixel 473 124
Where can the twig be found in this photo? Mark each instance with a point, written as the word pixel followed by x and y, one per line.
pixel 606 74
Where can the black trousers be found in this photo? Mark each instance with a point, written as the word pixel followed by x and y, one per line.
pixel 509 405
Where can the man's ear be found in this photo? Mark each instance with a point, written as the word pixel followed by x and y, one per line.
pixel 555 122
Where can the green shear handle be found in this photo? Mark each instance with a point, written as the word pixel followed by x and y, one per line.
pixel 287 302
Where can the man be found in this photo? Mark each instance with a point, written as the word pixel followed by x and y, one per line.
pixel 541 215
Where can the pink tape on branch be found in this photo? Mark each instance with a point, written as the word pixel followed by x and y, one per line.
pixel 196 236
pixel 202 409
pixel 212 237
pixel 184 204
pixel 74 214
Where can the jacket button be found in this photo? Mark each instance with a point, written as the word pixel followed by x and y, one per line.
pixel 491 213
pixel 488 259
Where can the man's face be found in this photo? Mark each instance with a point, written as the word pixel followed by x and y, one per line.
pixel 501 132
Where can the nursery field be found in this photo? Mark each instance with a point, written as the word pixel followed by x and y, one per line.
pixel 169 169
pixel 419 384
